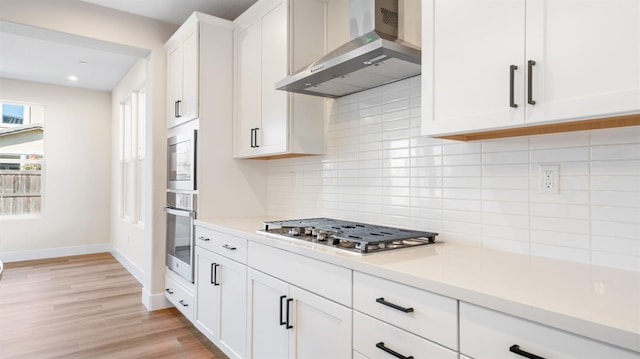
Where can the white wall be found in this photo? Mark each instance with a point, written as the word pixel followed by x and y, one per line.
pixel 88 20
pixel 76 197
pixel 379 170
pixel 128 239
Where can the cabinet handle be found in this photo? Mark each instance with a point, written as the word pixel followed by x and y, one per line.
pixel 176 109
pixel 226 246
pixel 203 238
pixel 255 137
pixel 183 303
pixel 394 353
pixel 168 290
pixel 288 326
pixel 282 322
pixel 253 131
pixel 214 274
pixel 512 75
pixel 516 349
pixel 530 65
pixel 394 306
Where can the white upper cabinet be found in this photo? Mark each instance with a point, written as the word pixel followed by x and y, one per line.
pixel 275 38
pixel 499 64
pixel 182 76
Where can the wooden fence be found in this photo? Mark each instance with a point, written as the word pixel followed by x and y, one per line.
pixel 20 192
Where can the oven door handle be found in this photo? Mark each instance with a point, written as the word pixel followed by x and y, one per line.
pixel 180 212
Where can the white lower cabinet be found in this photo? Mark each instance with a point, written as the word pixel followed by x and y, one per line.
pixel 485 333
pixel 221 312
pixel 376 339
pixel 286 321
pixel 179 295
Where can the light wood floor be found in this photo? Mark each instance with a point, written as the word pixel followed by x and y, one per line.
pixel 88 307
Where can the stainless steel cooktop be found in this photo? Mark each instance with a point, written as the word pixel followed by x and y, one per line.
pixel 347 235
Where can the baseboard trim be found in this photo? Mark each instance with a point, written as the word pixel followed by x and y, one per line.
pixel 18 256
pixel 135 271
pixel 155 301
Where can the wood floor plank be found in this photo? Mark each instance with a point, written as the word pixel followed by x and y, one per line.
pixel 88 307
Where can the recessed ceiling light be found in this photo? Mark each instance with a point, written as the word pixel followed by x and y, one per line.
pixel 72 78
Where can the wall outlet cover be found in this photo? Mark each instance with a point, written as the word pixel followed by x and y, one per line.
pixel 549 179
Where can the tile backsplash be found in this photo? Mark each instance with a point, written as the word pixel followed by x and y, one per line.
pixel 378 169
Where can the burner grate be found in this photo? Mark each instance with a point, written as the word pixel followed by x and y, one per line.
pixel 360 237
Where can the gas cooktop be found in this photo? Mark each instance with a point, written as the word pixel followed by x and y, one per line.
pixel 351 236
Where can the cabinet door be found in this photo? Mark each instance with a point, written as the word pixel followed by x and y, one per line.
pixel 587 58
pixel 488 334
pixel 208 293
pixel 190 76
pixel 321 328
pixel 248 90
pixel 232 277
pixel 268 338
pixel 273 134
pixel 468 48
pixel 174 84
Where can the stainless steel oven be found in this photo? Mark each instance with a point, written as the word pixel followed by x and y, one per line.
pixel 181 161
pixel 181 214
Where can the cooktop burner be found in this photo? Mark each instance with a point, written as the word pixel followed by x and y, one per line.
pixel 351 236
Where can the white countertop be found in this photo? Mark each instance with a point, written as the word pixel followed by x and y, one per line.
pixel 597 302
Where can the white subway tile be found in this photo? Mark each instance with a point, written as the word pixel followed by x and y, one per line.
pixel 505 183
pixel 615 198
pixel 457 148
pixel 462 171
pixel 462 205
pixel 462 216
pixel 615 168
pixel 560 140
pixel 501 158
pixel 505 232
pixel 513 208
pixel 560 225
pixel 616 135
pixel 560 155
pixel 615 214
pixel 505 220
pixel 462 193
pixel 626 246
pixel 462 160
pixel 507 245
pixel 616 229
pixel 462 182
pixel 616 152
pixel 506 145
pixel 572 240
pixel 615 183
pixel 574 211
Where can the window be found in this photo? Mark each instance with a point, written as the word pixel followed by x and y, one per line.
pixel 21 158
pixel 132 157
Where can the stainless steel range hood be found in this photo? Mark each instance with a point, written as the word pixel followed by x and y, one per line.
pixel 374 58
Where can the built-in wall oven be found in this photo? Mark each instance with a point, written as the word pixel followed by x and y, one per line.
pixel 181 213
pixel 181 161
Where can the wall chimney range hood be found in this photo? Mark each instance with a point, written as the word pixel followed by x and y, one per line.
pixel 373 57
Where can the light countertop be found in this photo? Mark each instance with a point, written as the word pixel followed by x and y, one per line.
pixel 597 302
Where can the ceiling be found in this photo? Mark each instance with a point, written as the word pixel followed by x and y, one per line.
pixel 40 55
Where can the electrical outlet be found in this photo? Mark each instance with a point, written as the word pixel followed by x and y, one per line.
pixel 549 179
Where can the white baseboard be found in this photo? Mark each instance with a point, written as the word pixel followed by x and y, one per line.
pixel 135 271
pixel 18 256
pixel 155 301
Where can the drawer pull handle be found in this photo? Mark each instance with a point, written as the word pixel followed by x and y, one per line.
pixel 183 303
pixel 394 306
pixel 530 65
pixel 395 354
pixel 516 349
pixel 512 74
pixel 288 325
pixel 168 290
pixel 203 238
pixel 282 322
pixel 226 246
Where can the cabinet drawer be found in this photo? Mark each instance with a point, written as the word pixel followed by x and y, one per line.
pixel 331 281
pixel 432 316
pixel 181 298
pixel 223 244
pixel 370 335
pixel 485 333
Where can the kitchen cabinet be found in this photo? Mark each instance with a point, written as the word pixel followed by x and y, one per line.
pixel 179 294
pixel 275 38
pixel 373 338
pixel 491 64
pixel 221 287
pixel 286 321
pixel 191 46
pixel 297 305
pixel 485 333
pixel 414 311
